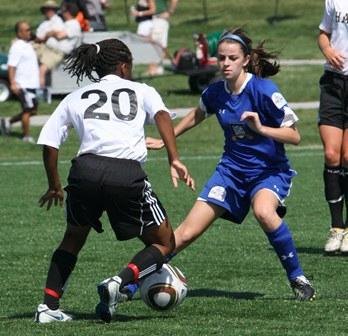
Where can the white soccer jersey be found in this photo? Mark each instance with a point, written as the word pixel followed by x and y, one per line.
pixel 22 56
pixel 54 23
pixel 335 22
pixel 109 117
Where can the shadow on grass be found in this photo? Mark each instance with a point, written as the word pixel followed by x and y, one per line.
pixel 279 18
pixel 207 292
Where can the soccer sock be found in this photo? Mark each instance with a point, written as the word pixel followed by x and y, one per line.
pixel 62 264
pixel 284 246
pixel 145 262
pixel 334 194
pixel 345 190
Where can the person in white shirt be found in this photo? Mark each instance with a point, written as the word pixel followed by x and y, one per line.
pixel 333 119
pixel 107 174
pixel 59 43
pixel 52 22
pixel 23 74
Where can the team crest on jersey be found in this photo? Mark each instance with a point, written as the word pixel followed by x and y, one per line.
pixel 218 193
pixel 240 132
pixel 278 100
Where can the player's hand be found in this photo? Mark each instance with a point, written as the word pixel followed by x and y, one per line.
pixel 253 121
pixel 52 197
pixel 335 58
pixel 153 143
pixel 178 171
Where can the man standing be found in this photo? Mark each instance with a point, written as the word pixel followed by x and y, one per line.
pixel 160 30
pixel 23 73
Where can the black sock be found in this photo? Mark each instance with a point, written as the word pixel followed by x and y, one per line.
pixel 334 194
pixel 144 263
pixel 345 190
pixel 62 264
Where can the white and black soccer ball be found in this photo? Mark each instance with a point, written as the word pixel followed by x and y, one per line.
pixel 164 289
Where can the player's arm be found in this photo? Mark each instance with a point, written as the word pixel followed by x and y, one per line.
pixel 11 78
pixel 178 169
pixel 287 134
pixel 54 194
pixel 193 118
pixel 334 57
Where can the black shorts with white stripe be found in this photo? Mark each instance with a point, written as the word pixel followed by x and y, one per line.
pixel 118 186
pixel 28 100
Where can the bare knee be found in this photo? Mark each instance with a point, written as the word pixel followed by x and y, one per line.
pixel 332 157
pixel 267 217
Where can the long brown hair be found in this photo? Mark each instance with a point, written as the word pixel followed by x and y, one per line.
pixel 262 63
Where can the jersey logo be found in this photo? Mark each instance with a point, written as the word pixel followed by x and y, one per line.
pixel 218 193
pixel 241 131
pixel 278 100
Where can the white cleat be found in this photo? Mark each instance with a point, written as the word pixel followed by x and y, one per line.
pixel 334 241
pixel 46 315
pixel 344 243
pixel 110 296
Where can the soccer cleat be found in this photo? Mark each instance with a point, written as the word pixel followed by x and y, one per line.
pixel 110 296
pixel 130 290
pixel 46 315
pixel 302 289
pixel 344 243
pixel 334 241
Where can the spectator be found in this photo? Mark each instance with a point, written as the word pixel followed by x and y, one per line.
pixel 333 118
pixel 143 12
pixel 59 43
pixel 96 16
pixel 160 30
pixel 23 73
pixel 52 20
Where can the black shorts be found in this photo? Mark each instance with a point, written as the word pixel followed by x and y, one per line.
pixel 28 100
pixel 333 110
pixel 118 186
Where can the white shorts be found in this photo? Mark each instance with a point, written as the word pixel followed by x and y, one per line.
pixel 145 28
pixel 160 31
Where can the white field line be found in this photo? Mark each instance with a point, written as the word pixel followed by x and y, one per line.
pixel 300 151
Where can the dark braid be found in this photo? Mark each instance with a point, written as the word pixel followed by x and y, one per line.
pixel 262 63
pixel 86 59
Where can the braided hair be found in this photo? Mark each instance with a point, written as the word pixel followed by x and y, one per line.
pixel 101 57
pixel 262 63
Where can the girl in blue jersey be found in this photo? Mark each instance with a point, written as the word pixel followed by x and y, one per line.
pixel 254 170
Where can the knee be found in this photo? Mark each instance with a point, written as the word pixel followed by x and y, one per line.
pixel 332 157
pixel 264 215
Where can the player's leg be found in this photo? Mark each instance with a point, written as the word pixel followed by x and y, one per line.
pixel 264 204
pixel 332 141
pixel 198 220
pixel 344 244
pixel 62 264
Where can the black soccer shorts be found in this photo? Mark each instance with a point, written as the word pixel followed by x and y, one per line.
pixel 333 110
pixel 118 186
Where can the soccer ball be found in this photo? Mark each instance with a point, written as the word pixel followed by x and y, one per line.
pixel 164 289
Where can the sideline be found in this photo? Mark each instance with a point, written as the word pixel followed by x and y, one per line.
pixel 180 112
pixel 301 151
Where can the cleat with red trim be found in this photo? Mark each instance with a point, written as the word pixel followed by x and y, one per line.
pixel 46 315
pixel 110 296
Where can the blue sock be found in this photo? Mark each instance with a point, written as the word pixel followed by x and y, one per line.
pixel 284 246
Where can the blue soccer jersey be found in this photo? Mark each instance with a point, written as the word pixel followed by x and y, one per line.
pixel 245 151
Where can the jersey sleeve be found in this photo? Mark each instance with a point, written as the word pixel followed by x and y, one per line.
pixel 153 103
pixel 204 103
pixel 55 130
pixel 326 21
pixel 14 55
pixel 275 107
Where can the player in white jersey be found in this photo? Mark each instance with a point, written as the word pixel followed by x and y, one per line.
pixel 333 118
pixel 253 172
pixel 107 175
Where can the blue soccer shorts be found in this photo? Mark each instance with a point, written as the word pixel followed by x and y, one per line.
pixel 234 192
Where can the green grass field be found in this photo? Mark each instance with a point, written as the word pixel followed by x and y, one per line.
pixel 236 284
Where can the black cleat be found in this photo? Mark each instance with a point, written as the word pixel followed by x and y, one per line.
pixel 302 289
